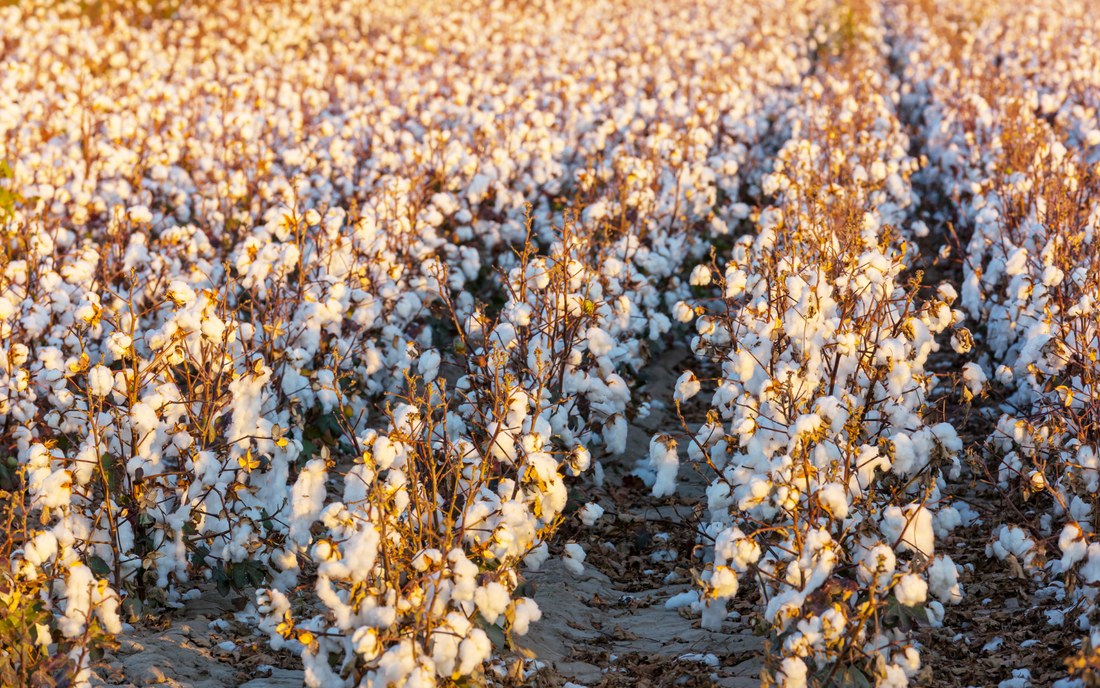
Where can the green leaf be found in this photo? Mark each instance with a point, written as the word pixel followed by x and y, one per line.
pixel 98 566
pixel 256 575
pixel 525 589
pixel 133 608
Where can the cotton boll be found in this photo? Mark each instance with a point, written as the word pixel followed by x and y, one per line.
pixel 877 565
pixel 686 387
pixel 590 513
pixel 736 282
pixel 579 460
pixel 792 673
pixel 492 600
pixel 835 500
pixel 307 499
pixel 41 548
pixel 535 558
pixel 943 580
pixel 54 490
pixel 1073 544
pixel 599 342
pixel 525 612
pixel 974 378
pixel 614 433
pixel 139 214
pixel 100 381
pixel 935 613
pixel 664 460
pixel 723 582
pixel 428 365
pixel 962 341
pixel 573 558
pixel 946 519
pixel 682 312
pixel 700 276
pixel 911 590
pixel 911 528
pixel 472 651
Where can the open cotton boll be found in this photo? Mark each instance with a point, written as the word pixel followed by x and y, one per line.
pixel 700 276
pixel 492 600
pixel 835 499
pixel 1073 544
pixel 686 387
pixel 590 513
pixel 306 501
pixel 911 590
pixel 1010 541
pixel 683 312
pixel 573 558
pixel 180 293
pixel 100 381
pixel 472 651
pixel 428 365
pixel 962 341
pixel 525 611
pixel 664 460
pixel 877 566
pixel 911 528
pixel 41 548
pixel 974 378
pixel 614 433
pixel 140 214
pixel 535 558
pixel 943 580
pixel 792 673
pixel 600 343
pixel 723 582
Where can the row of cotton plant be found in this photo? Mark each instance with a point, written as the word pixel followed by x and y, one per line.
pixel 828 487
pixel 1019 146
pixel 417 568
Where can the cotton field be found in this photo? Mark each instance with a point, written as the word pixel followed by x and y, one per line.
pixel 362 336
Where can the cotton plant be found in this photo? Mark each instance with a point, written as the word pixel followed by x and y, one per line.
pixel 59 614
pixel 467 483
pixel 822 457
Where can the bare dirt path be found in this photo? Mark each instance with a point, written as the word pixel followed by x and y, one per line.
pixel 610 626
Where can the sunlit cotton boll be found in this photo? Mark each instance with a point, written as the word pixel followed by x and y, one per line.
pixel 700 276
pixel 139 214
pixel 100 381
pixel 686 387
pixel 911 590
